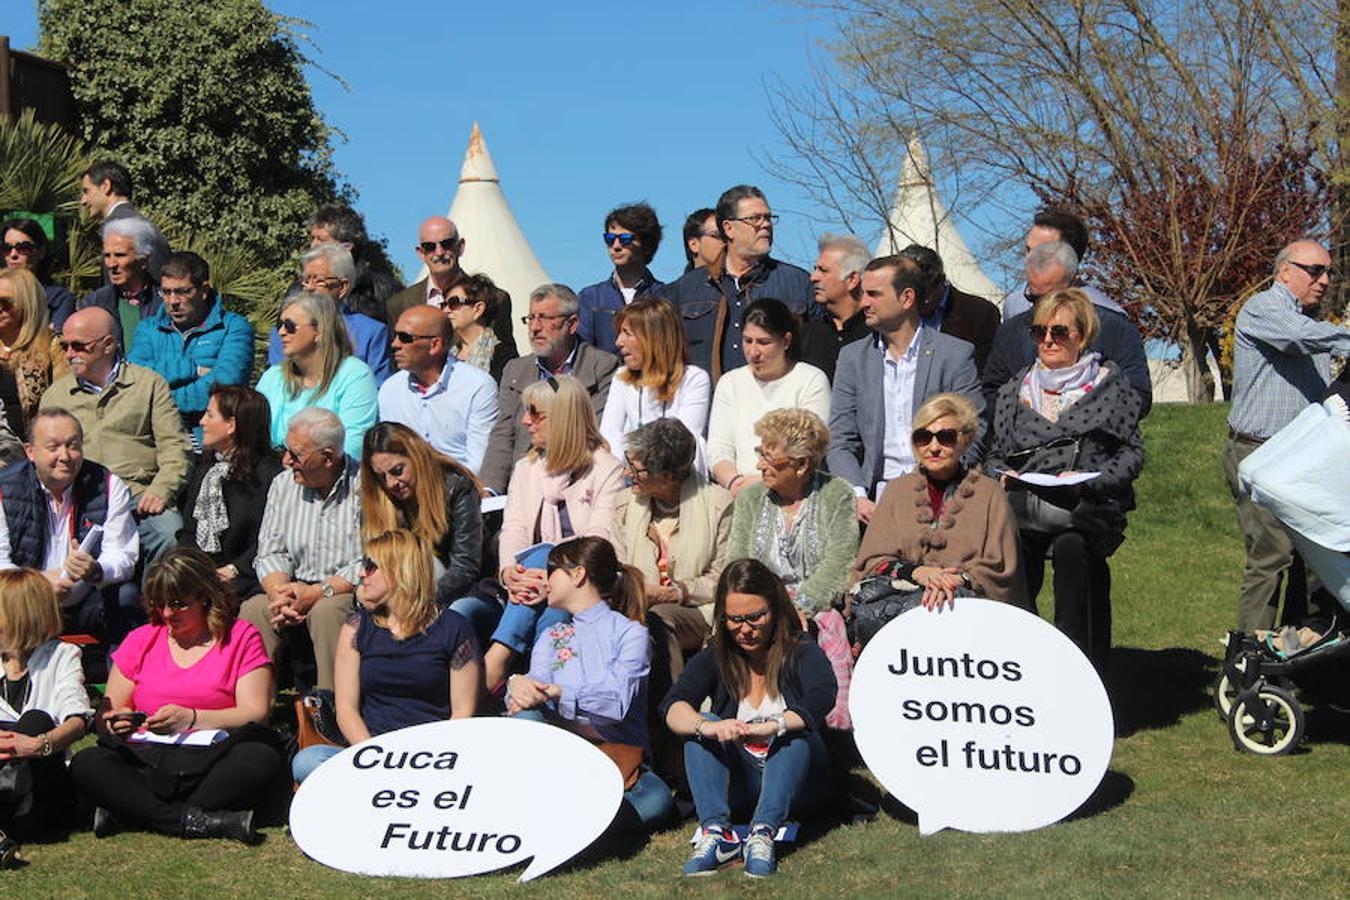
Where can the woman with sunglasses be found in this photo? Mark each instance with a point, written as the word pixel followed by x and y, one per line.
pixel 319 370
pixel 1069 412
pixel 567 485
pixel 402 659
pixel 589 675
pixel 406 484
pixel 944 528
pixel 471 305
pixel 655 381
pixel 194 668
pixel 771 379
pixel 24 245
pixel 28 349
pixel 44 708
pixel 223 499
pixel 759 751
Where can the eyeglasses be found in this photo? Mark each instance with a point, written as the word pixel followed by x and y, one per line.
pixel 623 239
pixel 313 281
pixel 638 473
pixel 184 292
pixel 407 337
pixel 1058 333
pixel 20 247
pixel 947 437
pixel 1315 272
pixel 450 245
pixel 753 618
pixel 535 414
pixel 757 219
pixel 288 453
pixel 369 566
pixel 540 317
pixel 80 346
pixel 290 326
pixel 778 464
pixel 177 603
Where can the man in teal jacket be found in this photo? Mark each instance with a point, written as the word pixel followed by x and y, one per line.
pixel 193 342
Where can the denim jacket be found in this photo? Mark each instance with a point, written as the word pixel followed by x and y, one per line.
pixel 598 304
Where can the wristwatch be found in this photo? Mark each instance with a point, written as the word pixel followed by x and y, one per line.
pixel 328 591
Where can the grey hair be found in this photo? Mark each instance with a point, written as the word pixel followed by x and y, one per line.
pixel 1053 253
pixel 142 233
pixel 340 261
pixel 1288 250
pixel 567 298
pixel 323 427
pixel 853 253
pixel 663 445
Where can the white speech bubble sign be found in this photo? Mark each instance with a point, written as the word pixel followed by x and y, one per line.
pixel 449 799
pixel 981 717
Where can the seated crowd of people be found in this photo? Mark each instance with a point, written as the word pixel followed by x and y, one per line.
pixel 699 477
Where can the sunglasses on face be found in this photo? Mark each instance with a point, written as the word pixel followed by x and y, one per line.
pixel 177 603
pixel 457 302
pixel 753 618
pixel 534 414
pixel 407 337
pixel 552 567
pixel 449 245
pixel 947 437
pixel 80 346
pixel 290 326
pixel 623 239
pixel 1315 271
pixel 20 247
pixel 369 566
pixel 1058 333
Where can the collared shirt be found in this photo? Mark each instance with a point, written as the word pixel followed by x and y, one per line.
pixel 565 369
pixel 310 536
pixel 1281 361
pixel 455 413
pixel 899 397
pixel 435 296
pixel 934 319
pixel 90 388
pixel 598 303
pixel 118 548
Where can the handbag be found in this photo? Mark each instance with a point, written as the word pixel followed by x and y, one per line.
pixel 628 759
pixel 316 721
pixel 876 600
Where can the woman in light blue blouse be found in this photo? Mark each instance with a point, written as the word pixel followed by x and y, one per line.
pixel 319 370
pixel 589 675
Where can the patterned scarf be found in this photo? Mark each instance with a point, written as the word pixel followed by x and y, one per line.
pixel 212 519
pixel 1069 384
pixel 480 354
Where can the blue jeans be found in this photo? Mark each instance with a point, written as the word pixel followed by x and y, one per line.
pixel 725 778
pixel 159 534
pixel 521 625
pixel 108 612
pixel 649 796
pixel 482 614
pixel 310 758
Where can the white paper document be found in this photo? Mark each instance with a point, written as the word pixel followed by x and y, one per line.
pixel 1044 480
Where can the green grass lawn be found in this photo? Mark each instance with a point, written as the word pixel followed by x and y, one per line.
pixel 1180 814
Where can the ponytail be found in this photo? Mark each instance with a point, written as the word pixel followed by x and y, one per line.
pixel 622 587
pixel 630 595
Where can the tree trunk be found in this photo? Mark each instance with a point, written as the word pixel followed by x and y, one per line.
pixel 1199 381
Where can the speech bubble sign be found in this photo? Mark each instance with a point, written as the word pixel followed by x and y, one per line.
pixel 981 717
pixel 449 799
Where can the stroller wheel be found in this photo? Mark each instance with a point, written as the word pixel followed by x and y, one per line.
pixel 1226 693
pixel 1267 721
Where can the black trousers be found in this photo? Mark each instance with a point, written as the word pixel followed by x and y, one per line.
pixel 1082 588
pixel 53 795
pixel 241 777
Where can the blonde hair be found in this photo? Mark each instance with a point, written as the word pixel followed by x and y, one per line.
pixel 1080 307
pixel 573 433
pixel 407 562
pixel 958 407
pixel 29 615
pixel 30 302
pixel 656 325
pixel 335 344
pixel 426 512
pixel 799 433
pixel 188 572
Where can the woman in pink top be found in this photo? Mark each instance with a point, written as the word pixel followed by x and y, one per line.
pixel 182 746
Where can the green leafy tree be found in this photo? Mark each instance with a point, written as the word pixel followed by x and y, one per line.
pixel 208 107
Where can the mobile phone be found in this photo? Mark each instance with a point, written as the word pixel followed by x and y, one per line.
pixel 137 719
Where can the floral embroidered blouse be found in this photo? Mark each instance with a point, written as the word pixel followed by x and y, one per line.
pixel 600 660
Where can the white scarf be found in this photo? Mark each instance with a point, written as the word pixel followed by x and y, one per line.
pixel 1071 383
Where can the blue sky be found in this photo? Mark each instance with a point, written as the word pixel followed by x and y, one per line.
pixel 584 106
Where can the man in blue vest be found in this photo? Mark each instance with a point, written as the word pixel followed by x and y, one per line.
pixel 51 503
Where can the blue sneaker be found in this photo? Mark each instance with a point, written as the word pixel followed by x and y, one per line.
pixel 717 848
pixel 759 859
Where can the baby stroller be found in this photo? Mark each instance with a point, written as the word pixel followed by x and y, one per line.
pixel 1301 476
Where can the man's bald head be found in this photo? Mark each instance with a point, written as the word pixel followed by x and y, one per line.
pixel 91 322
pixel 439 246
pixel 90 339
pixel 425 319
pixel 1304 267
pixel 422 342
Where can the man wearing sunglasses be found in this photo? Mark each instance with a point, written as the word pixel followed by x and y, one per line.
pixel 441 247
pixel 1052 266
pixel 632 234
pixel 450 403
pixel 1281 363
pixel 712 304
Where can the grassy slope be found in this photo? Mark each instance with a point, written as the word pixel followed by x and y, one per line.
pixel 1183 814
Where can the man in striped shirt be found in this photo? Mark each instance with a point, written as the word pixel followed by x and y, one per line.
pixel 1281 363
pixel 309 544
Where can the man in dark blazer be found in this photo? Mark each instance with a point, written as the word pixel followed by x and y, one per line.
pixel 440 247
pixel 558 350
pixel 950 309
pixel 879 383
pixel 105 193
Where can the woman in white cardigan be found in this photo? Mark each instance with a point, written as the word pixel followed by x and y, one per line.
pixel 655 381
pixel 771 379
pixel 43 709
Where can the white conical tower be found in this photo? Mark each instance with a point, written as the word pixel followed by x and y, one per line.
pixel 918 217
pixel 493 242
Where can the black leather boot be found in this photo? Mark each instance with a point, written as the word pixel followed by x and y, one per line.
pixel 226 823
pixel 9 852
pixel 105 823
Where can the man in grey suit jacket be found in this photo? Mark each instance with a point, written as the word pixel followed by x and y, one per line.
pixel 880 382
pixel 553 322
pixel 105 192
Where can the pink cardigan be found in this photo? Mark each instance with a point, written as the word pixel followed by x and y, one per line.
pixel 591 502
